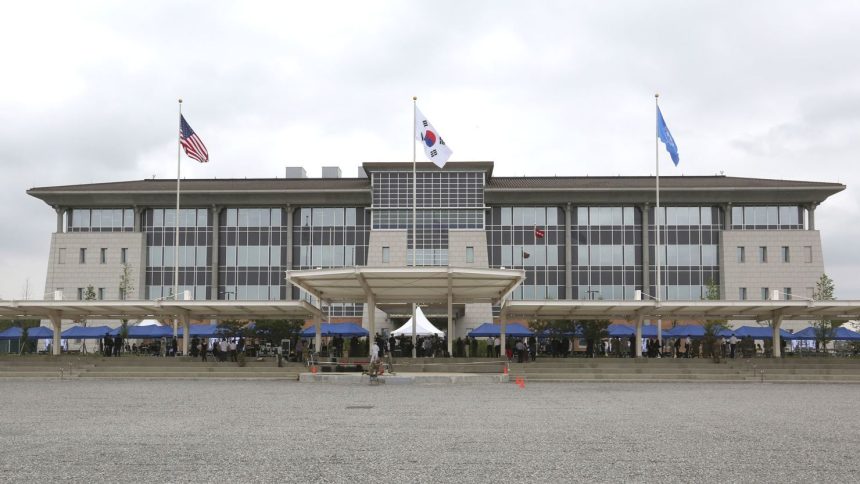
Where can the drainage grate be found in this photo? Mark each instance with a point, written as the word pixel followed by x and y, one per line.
pixel 359 407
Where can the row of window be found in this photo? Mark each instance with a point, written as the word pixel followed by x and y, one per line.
pixel 99 293
pixel 83 254
pixel 767 295
pixel 101 220
pixel 767 217
pixel 784 254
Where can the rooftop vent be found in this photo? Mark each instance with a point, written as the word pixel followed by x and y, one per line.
pixel 296 172
pixel 331 172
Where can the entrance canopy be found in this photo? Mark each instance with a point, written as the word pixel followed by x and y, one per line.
pixel 423 326
pixel 158 309
pixel 407 284
pixel 688 310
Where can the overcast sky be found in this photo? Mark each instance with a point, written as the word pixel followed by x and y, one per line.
pixel 751 89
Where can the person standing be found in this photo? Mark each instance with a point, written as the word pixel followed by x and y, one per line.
pixel 733 342
pixel 223 349
pixel 688 347
pixel 491 347
pixel 234 356
pixel 203 349
pixel 374 353
pixel 117 345
pixel 108 346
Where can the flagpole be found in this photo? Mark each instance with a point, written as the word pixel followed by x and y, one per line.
pixel 176 220
pixel 657 218
pixel 414 216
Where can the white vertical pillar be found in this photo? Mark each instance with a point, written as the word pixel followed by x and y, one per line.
pixel 450 323
pixel 318 331
pixel 777 341
pixel 503 327
pixel 638 337
pixel 186 329
pixel 57 324
pixel 371 319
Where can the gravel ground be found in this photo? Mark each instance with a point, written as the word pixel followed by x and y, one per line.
pixel 167 431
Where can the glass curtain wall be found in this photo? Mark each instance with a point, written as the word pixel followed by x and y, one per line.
pixel 689 251
pixel 330 237
pixel 445 200
pixel 767 218
pixel 251 254
pixel 101 220
pixel 607 252
pixel 195 240
pixel 512 243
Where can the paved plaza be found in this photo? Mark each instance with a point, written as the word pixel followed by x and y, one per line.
pixel 248 431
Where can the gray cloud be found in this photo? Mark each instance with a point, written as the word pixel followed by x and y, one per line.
pixel 766 89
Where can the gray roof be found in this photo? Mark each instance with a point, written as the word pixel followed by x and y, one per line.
pixel 499 190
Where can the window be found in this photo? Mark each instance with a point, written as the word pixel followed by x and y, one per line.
pixel 785 254
pixel 786 293
pixel 61 256
pixel 762 254
pixel 80 294
pixel 103 256
pixel 765 294
pixel 123 256
pixel 742 294
pixel 742 255
pixel 470 255
pixel 82 258
pixel 101 294
pixel 386 255
pixel 807 254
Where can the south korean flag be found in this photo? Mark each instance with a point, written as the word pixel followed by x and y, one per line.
pixel 434 146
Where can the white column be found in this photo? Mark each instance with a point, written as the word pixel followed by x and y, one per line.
pixel 371 320
pixel 638 337
pixel 450 323
pixel 186 337
pixel 318 329
pixel 777 341
pixel 503 326
pixel 57 323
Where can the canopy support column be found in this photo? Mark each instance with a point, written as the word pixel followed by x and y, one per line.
pixel 777 341
pixel 638 337
pixel 450 320
pixel 371 320
pixel 503 328
pixel 317 331
pixel 57 325
pixel 186 329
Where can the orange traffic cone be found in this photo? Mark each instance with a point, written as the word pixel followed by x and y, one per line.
pixel 314 369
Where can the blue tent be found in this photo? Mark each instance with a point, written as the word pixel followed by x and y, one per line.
pixel 80 332
pixel 490 329
pixel 691 330
pixel 200 331
pixel 14 333
pixel 624 331
pixel 335 329
pixel 839 333
pixel 758 332
pixel 146 332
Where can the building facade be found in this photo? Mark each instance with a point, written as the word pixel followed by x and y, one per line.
pixel 576 238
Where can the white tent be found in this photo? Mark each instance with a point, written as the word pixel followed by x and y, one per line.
pixel 423 327
pixel 149 322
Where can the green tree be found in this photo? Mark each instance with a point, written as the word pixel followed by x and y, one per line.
pixel 89 295
pixel 126 288
pixel 275 330
pixel 824 328
pixel 553 328
pixel 712 327
pixel 593 331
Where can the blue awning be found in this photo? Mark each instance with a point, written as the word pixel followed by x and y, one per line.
pixel 146 332
pixel 759 332
pixel 624 331
pixel 840 333
pixel 201 331
pixel 81 332
pixel 347 330
pixel 489 329
pixel 14 333
pixel 691 330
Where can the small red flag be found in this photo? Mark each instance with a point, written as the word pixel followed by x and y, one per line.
pixel 539 233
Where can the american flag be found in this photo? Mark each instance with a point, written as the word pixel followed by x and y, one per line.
pixel 192 143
